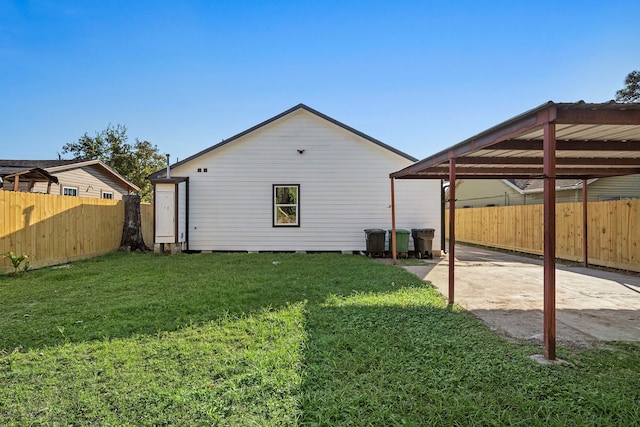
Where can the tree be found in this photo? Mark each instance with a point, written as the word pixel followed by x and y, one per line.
pixel 132 229
pixel 134 162
pixel 631 93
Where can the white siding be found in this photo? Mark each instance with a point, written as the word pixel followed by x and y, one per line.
pixel 344 189
pixel 182 212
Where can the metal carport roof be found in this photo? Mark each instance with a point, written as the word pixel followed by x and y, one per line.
pixel 552 141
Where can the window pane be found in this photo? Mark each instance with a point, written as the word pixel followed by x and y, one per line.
pixel 286 195
pixel 286 215
pixel 69 191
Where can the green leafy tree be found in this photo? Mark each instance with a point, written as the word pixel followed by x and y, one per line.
pixel 133 161
pixel 631 92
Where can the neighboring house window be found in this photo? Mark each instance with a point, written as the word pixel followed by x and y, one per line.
pixel 69 191
pixel 107 195
pixel 286 205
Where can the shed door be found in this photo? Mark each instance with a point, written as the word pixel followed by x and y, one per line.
pixel 165 215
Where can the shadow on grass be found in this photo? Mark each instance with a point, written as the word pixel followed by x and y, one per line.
pixel 390 364
pixel 120 295
pixel 397 364
pixel 315 340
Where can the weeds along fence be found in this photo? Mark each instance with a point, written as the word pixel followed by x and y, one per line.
pixel 53 229
pixel 613 231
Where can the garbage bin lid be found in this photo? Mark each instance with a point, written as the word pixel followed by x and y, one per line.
pixel 374 230
pixel 400 231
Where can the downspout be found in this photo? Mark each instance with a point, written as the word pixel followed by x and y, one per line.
pixel 186 214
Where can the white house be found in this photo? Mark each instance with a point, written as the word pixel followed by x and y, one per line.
pixel 299 181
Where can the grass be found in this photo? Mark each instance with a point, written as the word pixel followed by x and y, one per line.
pixel 279 339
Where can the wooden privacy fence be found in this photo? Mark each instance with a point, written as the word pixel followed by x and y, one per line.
pixel 54 229
pixel 613 231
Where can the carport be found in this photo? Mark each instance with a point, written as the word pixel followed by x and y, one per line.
pixel 553 141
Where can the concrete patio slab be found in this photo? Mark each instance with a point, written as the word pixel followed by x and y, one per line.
pixel 506 292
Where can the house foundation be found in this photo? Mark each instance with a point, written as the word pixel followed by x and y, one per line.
pixel 172 248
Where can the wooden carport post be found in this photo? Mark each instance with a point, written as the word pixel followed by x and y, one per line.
pixel 549 171
pixel 585 227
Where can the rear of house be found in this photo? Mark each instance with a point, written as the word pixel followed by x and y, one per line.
pixel 299 181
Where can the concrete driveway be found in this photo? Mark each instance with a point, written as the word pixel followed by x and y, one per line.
pixel 506 292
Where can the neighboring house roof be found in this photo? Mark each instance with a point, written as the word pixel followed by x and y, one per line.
pixel 536 185
pixel 9 173
pixel 277 117
pixel 44 164
pixel 53 166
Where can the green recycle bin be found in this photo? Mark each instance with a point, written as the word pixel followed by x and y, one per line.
pixel 402 242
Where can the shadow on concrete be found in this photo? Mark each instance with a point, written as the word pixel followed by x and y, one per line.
pixel 506 292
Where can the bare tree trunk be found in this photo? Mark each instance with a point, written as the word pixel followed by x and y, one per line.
pixel 132 229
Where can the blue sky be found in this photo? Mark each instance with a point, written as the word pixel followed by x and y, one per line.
pixel 417 75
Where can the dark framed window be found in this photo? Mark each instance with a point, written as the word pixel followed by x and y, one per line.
pixel 286 205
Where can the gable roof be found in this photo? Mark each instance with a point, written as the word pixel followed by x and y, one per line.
pixel 52 166
pixel 279 116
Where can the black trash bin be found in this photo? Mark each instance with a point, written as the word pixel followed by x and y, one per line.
pixel 375 241
pixel 423 241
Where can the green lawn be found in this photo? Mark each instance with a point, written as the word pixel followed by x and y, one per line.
pixel 279 339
